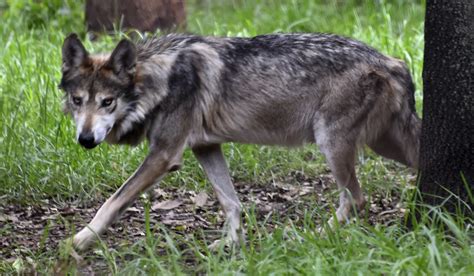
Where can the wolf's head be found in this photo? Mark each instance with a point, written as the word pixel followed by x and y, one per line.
pixel 98 88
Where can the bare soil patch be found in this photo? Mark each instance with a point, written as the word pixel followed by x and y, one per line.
pixel 39 228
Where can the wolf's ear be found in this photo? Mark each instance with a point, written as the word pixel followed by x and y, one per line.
pixel 123 58
pixel 74 53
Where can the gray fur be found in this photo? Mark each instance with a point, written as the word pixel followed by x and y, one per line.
pixel 281 89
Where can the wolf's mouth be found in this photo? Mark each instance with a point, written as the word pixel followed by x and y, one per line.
pixel 108 130
pixel 89 146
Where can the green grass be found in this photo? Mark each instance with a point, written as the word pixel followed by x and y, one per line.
pixel 40 159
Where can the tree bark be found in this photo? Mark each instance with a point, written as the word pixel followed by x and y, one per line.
pixel 142 15
pixel 447 148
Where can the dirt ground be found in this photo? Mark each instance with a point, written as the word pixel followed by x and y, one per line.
pixel 27 229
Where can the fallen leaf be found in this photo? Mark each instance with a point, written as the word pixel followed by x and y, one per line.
pixel 167 205
pixel 305 190
pixel 200 199
pixel 11 218
pixel 175 222
pixel 181 227
pixel 133 209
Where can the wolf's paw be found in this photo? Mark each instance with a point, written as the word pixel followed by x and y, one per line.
pixel 84 239
pixel 347 210
pixel 68 258
pixel 230 241
pixel 330 225
pixel 346 213
pixel 224 244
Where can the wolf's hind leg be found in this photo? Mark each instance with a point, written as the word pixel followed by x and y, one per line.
pixel 213 162
pixel 340 156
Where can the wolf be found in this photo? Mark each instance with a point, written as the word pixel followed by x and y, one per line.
pixel 183 91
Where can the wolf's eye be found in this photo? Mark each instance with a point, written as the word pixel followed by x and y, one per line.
pixel 107 102
pixel 77 100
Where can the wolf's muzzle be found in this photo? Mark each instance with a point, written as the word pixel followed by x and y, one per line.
pixel 87 140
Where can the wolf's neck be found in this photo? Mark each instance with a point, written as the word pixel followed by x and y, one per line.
pixel 133 135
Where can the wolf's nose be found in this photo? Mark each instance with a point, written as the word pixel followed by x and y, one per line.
pixel 87 140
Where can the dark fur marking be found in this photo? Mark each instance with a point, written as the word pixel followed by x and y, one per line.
pixel 183 82
pixel 136 133
pixel 113 108
pixel 122 189
pixel 402 74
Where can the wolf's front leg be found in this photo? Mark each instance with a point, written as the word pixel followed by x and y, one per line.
pixel 213 162
pixel 155 166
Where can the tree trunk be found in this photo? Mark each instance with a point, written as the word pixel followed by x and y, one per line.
pixel 447 139
pixel 142 15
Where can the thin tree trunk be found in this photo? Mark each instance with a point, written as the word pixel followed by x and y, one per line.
pixel 447 139
pixel 142 15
